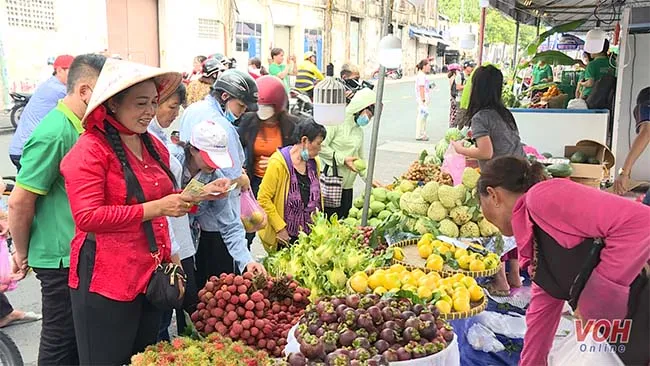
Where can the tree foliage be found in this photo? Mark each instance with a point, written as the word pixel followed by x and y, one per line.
pixel 498 27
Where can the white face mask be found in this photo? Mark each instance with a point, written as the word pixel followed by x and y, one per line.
pixel 265 112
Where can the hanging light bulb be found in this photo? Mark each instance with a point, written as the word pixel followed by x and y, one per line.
pixel 329 100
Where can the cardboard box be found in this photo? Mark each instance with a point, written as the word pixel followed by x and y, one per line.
pixel 591 149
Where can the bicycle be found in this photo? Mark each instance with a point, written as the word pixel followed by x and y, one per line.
pixel 9 352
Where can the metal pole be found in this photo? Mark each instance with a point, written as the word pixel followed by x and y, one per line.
pixel 481 37
pixel 514 57
pixel 375 126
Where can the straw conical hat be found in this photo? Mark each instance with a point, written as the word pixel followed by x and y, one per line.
pixel 118 75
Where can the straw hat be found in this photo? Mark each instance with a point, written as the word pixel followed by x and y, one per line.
pixel 118 75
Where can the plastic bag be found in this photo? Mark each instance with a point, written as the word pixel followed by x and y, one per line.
pixel 577 103
pixel 6 281
pixel 252 215
pixel 454 164
pixel 483 339
pixel 509 326
pixel 568 351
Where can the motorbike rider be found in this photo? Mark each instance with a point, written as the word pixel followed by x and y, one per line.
pixel 44 99
pixel 222 236
pixel 350 78
pixel 200 88
pixel 308 75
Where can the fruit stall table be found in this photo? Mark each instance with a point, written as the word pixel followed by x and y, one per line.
pixel 549 130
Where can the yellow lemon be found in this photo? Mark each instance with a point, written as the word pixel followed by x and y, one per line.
pixel 435 262
pixel 475 293
pixel 443 250
pixel 397 268
pixel 428 237
pixel 459 253
pixel 457 277
pixel 447 298
pixel 490 263
pixel 437 243
pixel 463 262
pixel 476 265
pixel 376 279
pixel 391 281
pixel 493 255
pixel 362 274
pixel 461 304
pixel 461 292
pixel 398 254
pixel 475 256
pixel 429 282
pixel 359 284
pixel 457 285
pixel 424 293
pixel 468 281
pixel 443 306
pixel 425 250
pixel 408 279
pixel 380 291
pixel 418 273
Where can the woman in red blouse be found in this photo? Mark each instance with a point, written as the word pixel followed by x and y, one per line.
pixel 110 262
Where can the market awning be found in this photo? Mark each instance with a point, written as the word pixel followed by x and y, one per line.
pixel 556 12
pixel 428 36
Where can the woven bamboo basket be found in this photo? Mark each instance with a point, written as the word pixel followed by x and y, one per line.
pixel 412 260
pixel 475 307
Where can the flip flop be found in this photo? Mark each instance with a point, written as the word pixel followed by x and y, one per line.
pixel 494 292
pixel 29 317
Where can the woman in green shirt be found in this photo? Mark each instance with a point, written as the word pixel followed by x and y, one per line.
pixel 596 69
pixel 542 73
pixel 279 69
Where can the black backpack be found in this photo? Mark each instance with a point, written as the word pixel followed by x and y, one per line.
pixel 603 93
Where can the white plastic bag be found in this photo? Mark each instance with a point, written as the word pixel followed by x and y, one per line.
pixel 510 326
pixel 577 103
pixel 568 351
pixel 483 339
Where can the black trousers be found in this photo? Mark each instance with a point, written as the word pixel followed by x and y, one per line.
pixel 212 257
pixel 189 302
pixel 5 306
pixel 346 205
pixel 15 160
pixel 109 332
pixel 58 344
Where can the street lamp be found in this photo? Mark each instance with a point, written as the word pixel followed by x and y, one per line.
pixel 329 100
pixel 390 56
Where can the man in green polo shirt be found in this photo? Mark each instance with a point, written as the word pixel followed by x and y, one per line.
pixel 40 221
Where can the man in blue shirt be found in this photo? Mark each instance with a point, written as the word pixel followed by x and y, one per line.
pixel 221 228
pixel 44 99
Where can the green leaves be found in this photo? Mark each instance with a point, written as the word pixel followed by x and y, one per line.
pixel 562 28
pixel 554 58
pixel 403 294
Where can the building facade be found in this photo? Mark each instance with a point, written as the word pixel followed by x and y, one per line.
pixel 169 33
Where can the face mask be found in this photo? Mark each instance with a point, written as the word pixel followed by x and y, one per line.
pixel 363 120
pixel 265 112
pixel 304 154
pixel 230 116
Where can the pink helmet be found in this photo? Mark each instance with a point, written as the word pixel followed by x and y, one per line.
pixel 454 67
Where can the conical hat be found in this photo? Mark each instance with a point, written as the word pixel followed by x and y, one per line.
pixel 118 75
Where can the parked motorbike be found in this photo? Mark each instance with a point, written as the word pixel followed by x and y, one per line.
pixel 300 104
pixel 20 101
pixel 390 73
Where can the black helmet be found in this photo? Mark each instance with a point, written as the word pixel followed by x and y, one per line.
pixel 212 66
pixel 238 85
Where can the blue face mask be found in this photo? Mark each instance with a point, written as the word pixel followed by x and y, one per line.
pixel 363 120
pixel 230 116
pixel 304 155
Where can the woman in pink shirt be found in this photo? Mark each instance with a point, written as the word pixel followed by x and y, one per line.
pixel 583 246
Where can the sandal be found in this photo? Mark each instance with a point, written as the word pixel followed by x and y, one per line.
pixel 490 287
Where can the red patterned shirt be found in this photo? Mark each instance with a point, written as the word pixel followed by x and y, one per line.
pixel 97 191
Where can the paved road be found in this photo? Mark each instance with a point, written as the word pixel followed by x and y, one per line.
pixel 396 149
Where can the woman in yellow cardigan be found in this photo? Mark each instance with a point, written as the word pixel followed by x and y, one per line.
pixel 290 190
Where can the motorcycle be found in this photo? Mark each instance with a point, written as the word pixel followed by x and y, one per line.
pixel 300 104
pixel 390 73
pixel 20 101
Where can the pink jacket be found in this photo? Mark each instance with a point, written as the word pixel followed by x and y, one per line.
pixel 570 213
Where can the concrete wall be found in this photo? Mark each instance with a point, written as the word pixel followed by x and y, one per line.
pixel 26 50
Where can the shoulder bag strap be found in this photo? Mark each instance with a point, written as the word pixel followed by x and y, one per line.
pixel 139 196
pixel 335 167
